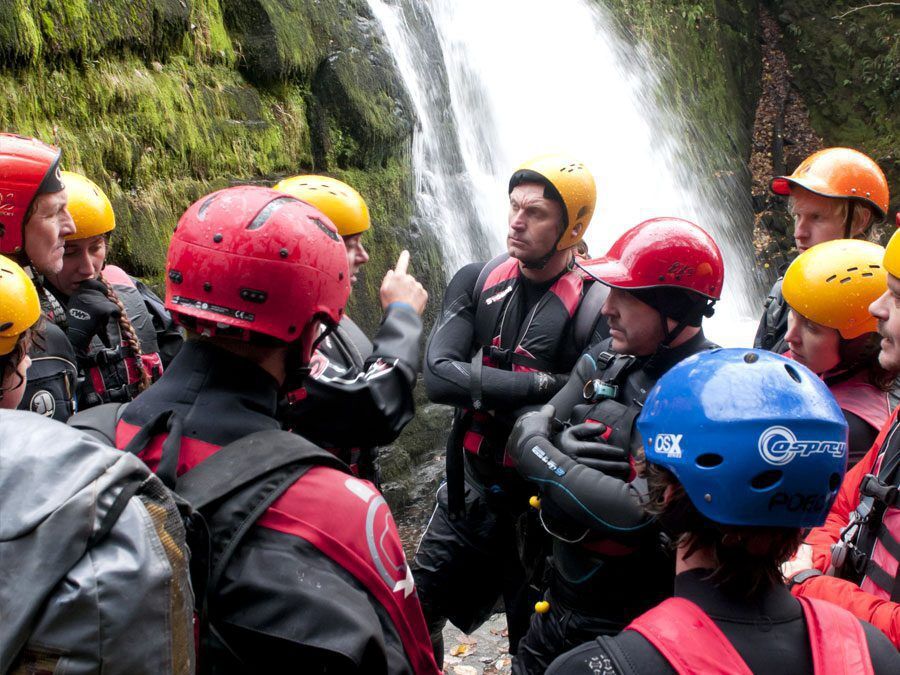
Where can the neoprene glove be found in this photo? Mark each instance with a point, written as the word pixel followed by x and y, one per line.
pixel 535 424
pixel 582 443
pixel 88 314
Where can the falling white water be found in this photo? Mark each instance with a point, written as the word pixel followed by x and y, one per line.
pixel 528 77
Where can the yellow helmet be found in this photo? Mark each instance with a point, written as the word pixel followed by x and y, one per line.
pixel 89 206
pixel 574 186
pixel 843 173
pixel 343 205
pixel 892 253
pixel 19 304
pixel 833 284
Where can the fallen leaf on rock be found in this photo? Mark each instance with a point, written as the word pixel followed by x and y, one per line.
pixel 464 670
pixel 461 650
pixel 503 632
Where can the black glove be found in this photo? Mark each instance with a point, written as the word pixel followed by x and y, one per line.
pixel 88 314
pixel 582 443
pixel 535 424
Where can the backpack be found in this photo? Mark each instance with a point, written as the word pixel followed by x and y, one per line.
pixel 93 555
pixel 221 498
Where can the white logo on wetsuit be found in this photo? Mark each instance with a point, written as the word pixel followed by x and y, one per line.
pixel 778 446
pixel 499 296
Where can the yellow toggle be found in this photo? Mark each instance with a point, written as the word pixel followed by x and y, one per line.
pixel 535 502
pixel 542 607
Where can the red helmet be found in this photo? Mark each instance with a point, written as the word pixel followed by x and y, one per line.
pixel 24 165
pixel 662 252
pixel 250 260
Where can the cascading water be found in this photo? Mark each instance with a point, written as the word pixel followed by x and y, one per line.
pixel 510 79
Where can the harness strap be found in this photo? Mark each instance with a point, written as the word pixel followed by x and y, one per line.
pixel 165 422
pixel 837 640
pixel 678 623
pixel 456 487
pixel 510 357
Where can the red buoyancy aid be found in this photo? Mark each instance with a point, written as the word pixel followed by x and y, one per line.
pixel 307 510
pixel 882 556
pixel 537 344
pixel 862 399
pixel 692 643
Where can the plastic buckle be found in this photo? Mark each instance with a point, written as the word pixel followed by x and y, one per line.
pixel 597 389
pixel 872 487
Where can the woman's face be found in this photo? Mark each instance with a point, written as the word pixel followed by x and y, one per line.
pixel 812 344
pixel 82 260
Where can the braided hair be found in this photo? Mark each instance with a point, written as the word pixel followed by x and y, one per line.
pixel 129 335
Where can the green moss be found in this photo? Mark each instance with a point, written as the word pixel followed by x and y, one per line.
pixel 848 71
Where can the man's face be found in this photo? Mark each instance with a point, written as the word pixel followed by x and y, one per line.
pixel 50 222
pixel 634 326
pixel 816 218
pixel 357 256
pixel 887 310
pixel 812 344
pixel 82 260
pixel 534 223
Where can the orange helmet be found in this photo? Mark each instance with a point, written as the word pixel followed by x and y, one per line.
pixel 843 173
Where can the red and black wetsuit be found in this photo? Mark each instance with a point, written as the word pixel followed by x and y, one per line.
pixel 501 344
pixel 769 633
pixel 320 584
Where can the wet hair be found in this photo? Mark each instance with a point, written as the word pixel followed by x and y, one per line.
pixel 9 363
pixel 747 560
pixel 129 336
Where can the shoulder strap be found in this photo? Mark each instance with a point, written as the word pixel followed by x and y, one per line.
pixel 99 421
pixel 837 639
pixel 689 640
pixel 588 315
pixel 483 328
pixel 247 459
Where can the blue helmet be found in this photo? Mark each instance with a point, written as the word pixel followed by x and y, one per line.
pixel 754 438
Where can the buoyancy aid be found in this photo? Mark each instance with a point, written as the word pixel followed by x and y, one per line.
pixel 868 551
pixel 692 643
pixel 864 400
pixel 113 374
pixel 532 345
pixel 206 378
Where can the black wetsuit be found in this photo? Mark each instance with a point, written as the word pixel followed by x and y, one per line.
pixel 360 394
pixel 468 559
pixel 769 634
pixel 609 563
pixel 773 324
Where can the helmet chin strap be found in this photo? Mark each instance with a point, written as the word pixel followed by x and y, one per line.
pixel 296 369
pixel 705 308
pixel 848 222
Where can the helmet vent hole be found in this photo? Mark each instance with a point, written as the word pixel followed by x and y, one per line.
pixel 875 267
pixel 795 376
pixel 852 269
pixel 766 479
pixel 709 460
pixel 201 212
pixel 831 278
pixel 268 211
pixel 846 279
pixel 750 357
pixel 834 482
pixel 867 274
pixel 6 326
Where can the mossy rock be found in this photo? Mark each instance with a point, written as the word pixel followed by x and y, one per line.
pixel 848 71
pixel 336 49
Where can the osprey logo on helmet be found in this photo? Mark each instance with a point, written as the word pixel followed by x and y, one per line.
pixel 778 446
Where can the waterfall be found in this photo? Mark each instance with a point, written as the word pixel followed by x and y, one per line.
pixel 495 83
